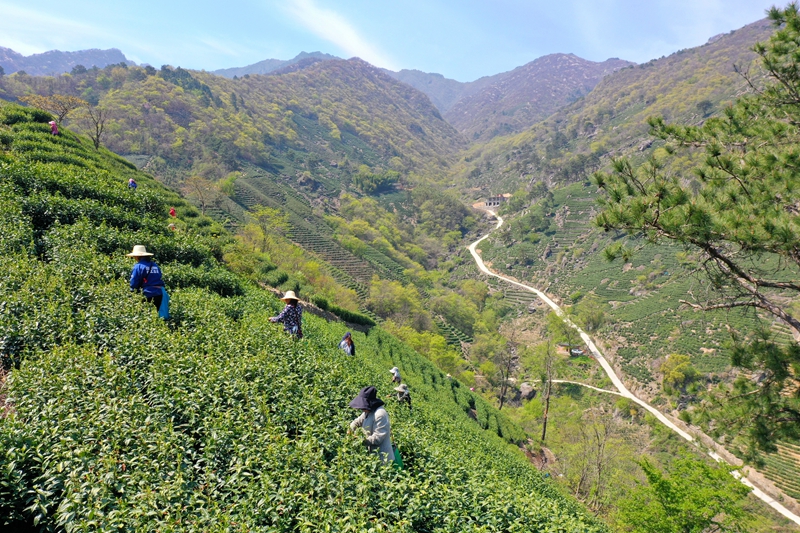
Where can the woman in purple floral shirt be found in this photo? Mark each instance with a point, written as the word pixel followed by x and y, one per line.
pixel 291 316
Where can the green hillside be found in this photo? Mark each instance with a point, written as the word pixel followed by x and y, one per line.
pixel 685 87
pixel 644 321
pixel 550 237
pixel 344 151
pixel 327 114
pixel 312 144
pixel 213 420
pixel 714 368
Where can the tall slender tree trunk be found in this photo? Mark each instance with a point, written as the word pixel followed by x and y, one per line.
pixel 548 384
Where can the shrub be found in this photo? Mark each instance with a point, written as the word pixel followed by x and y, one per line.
pixel 320 302
pixel 351 316
pixel 276 278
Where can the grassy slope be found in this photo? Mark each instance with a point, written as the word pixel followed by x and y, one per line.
pixel 214 420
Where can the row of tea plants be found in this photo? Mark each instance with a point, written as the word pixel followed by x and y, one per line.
pixel 213 420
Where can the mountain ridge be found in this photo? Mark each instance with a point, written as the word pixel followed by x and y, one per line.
pixel 267 66
pixel 443 92
pixel 611 119
pixel 58 62
pixel 527 94
pixel 475 98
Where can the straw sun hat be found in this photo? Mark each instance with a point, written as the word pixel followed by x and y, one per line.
pixel 139 251
pixel 290 296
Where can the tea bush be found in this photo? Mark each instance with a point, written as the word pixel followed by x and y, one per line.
pixel 214 420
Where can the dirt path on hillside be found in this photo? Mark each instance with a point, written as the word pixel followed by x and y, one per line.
pixel 623 390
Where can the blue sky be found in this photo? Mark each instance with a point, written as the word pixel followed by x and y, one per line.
pixel 462 39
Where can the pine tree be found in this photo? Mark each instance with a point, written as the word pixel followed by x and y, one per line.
pixel 739 215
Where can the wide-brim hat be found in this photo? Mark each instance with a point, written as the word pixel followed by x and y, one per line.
pixel 139 251
pixel 401 388
pixel 367 399
pixel 394 370
pixel 290 295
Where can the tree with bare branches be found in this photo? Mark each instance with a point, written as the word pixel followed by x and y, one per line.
pixel 97 117
pixel 271 221
pixel 506 361
pixel 202 191
pixel 60 105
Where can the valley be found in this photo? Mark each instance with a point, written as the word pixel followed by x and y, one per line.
pixel 622 390
pixel 350 185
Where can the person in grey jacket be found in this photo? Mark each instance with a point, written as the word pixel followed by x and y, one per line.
pixel 403 396
pixel 374 421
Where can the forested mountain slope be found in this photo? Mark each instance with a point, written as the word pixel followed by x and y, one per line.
pixel 687 86
pixel 193 118
pixel 213 420
pixel 519 99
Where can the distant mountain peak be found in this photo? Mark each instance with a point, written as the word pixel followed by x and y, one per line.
pixel 268 66
pixel 513 101
pixel 57 62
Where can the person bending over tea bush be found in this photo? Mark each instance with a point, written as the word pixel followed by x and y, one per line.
pixel 403 395
pixel 291 316
pixel 146 276
pixel 347 344
pixel 374 421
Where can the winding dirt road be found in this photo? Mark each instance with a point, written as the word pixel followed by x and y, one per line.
pixel 623 390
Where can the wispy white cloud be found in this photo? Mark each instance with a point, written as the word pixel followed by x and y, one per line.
pixel 333 27
pixel 33 32
pixel 29 31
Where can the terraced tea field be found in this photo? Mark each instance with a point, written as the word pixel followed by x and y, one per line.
pixel 783 468
pixel 311 233
pixel 522 298
pixel 451 334
pixel 349 270
pixel 644 318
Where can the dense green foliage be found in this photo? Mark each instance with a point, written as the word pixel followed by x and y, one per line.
pixel 694 497
pixel 213 420
pixel 736 212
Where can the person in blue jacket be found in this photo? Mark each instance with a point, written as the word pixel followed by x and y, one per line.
pixel 146 276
